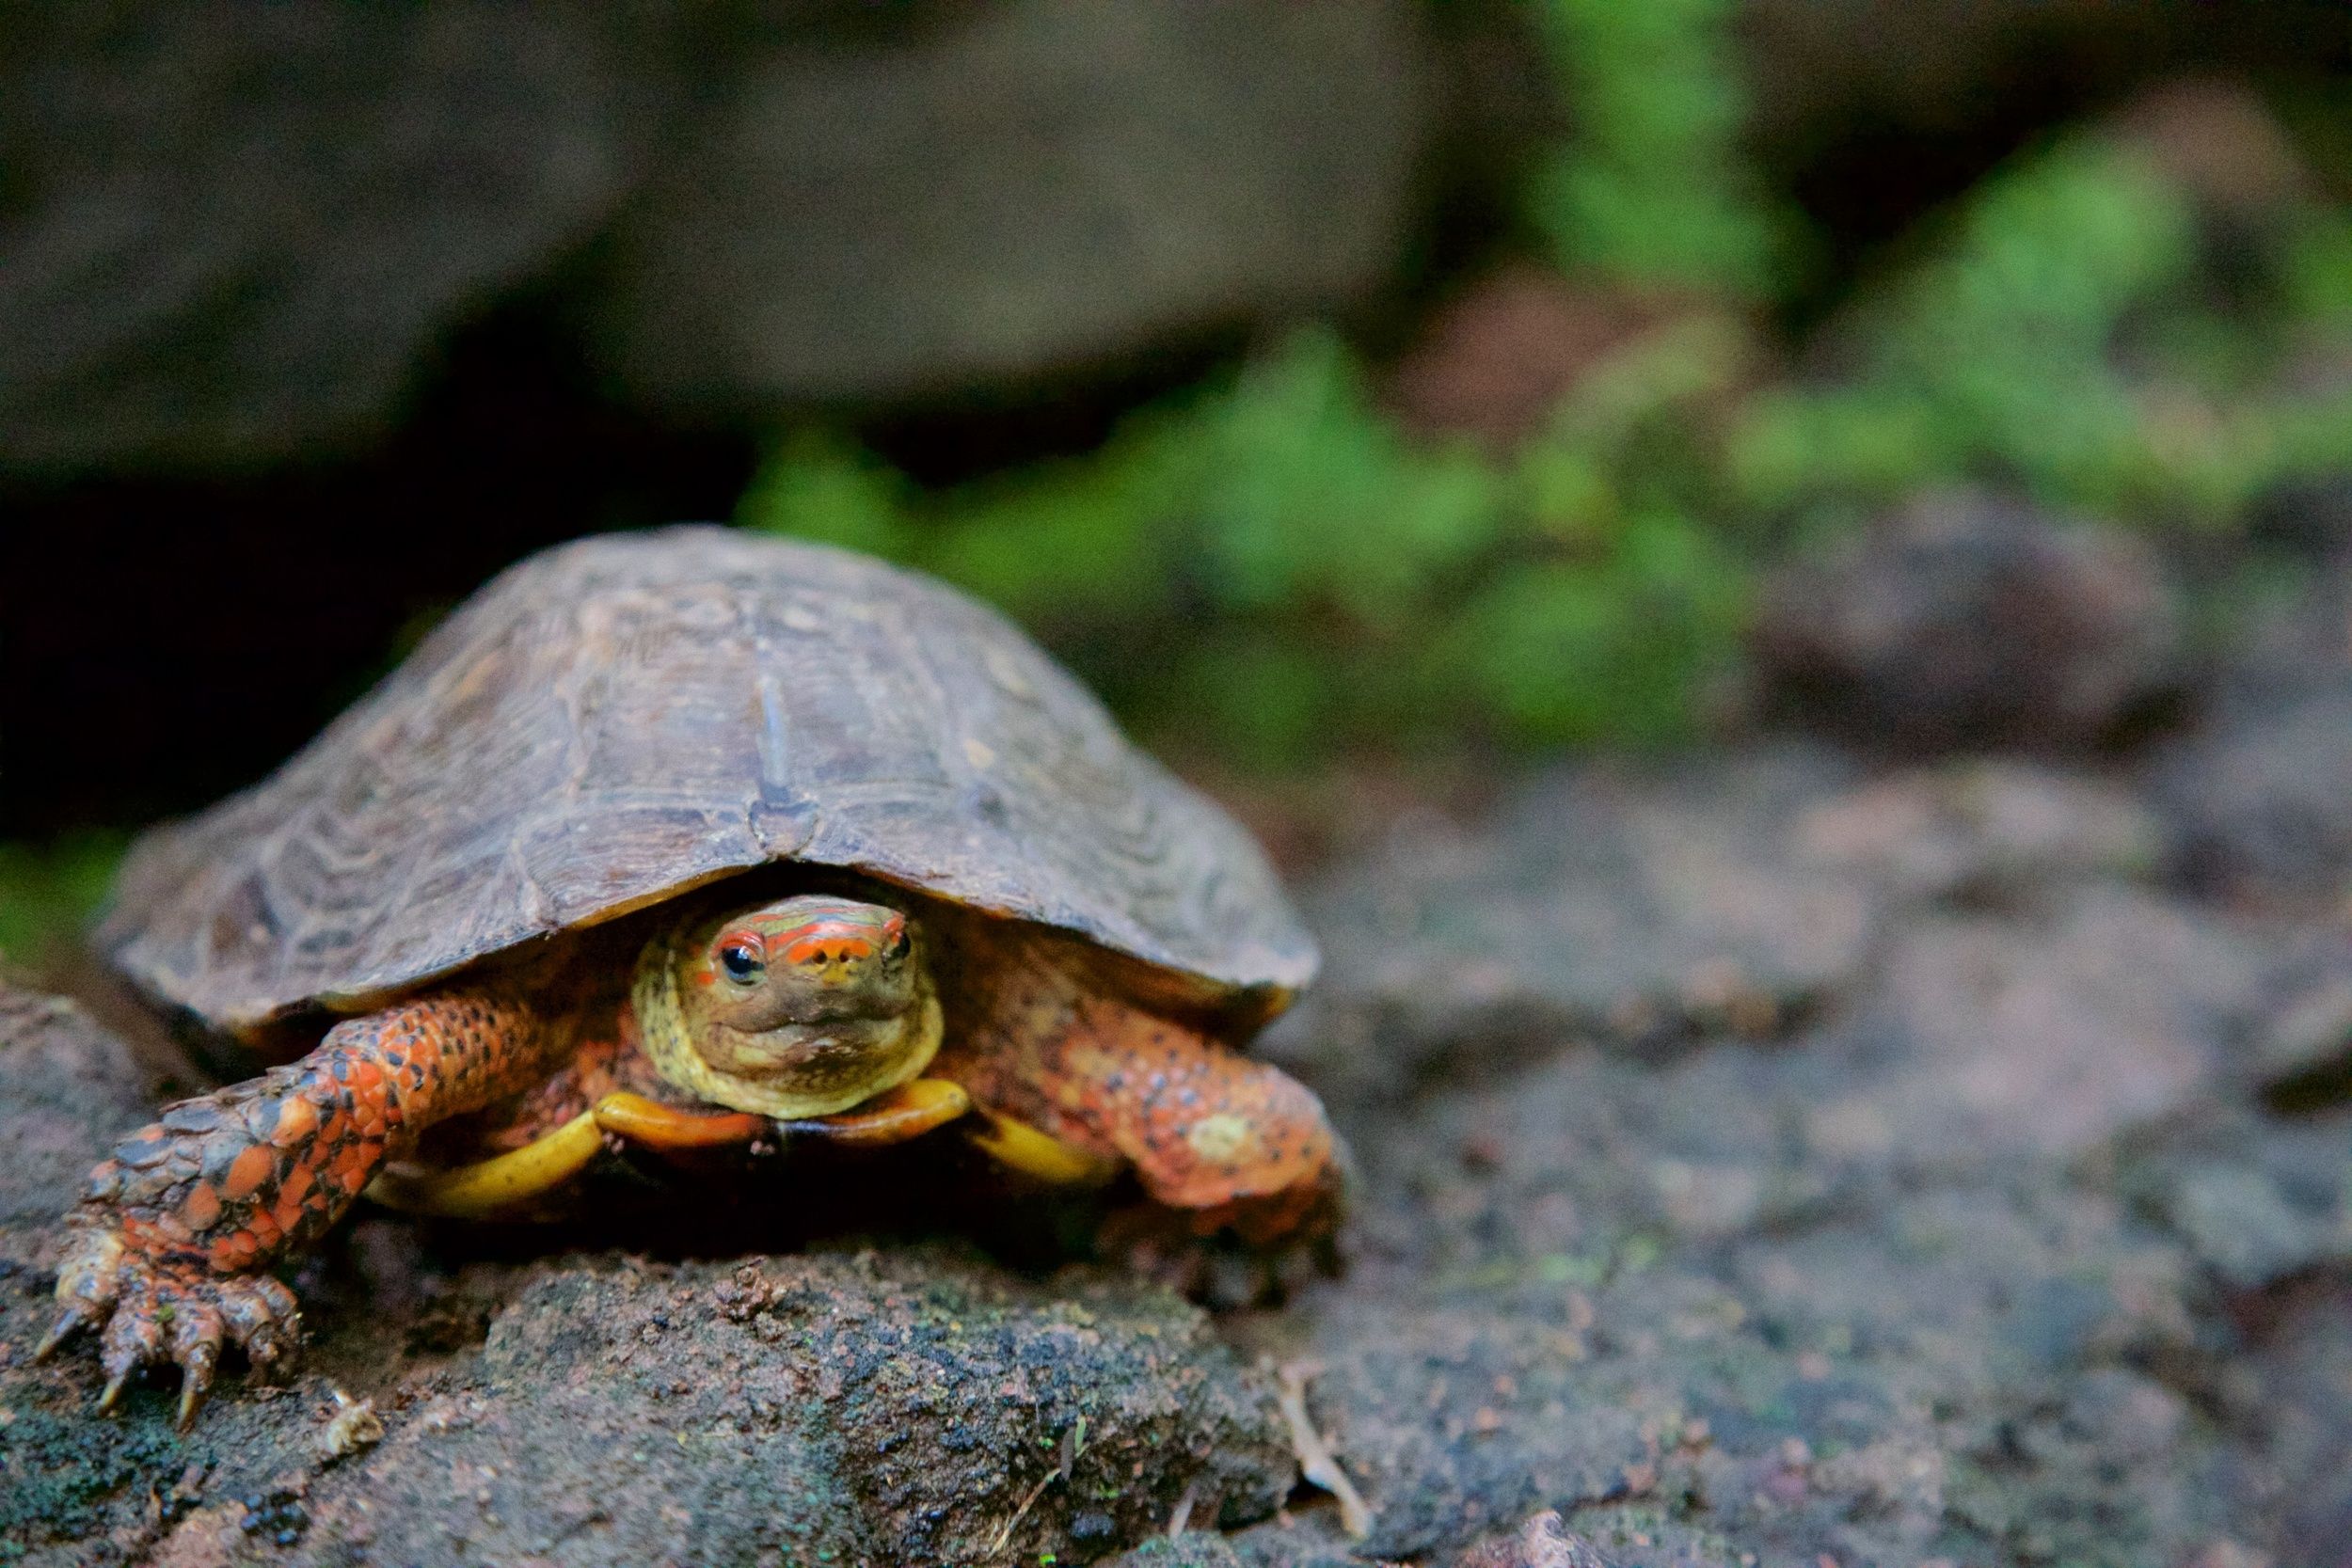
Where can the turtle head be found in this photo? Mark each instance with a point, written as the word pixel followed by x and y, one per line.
pixel 801 1008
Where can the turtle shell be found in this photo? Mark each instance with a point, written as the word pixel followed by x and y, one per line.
pixel 618 719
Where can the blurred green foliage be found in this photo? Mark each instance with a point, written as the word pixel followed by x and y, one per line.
pixel 1651 190
pixel 48 891
pixel 1267 563
pixel 2060 338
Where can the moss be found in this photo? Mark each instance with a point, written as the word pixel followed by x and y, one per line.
pixel 58 1471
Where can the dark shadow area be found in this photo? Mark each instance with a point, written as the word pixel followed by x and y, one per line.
pixel 184 635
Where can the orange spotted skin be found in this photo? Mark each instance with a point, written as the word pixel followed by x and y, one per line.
pixel 170 1238
pixel 232 1179
pixel 607 1061
pixel 1040 1037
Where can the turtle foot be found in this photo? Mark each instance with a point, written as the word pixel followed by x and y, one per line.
pixel 152 1309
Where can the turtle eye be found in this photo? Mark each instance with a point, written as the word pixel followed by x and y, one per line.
pixel 742 963
pixel 903 945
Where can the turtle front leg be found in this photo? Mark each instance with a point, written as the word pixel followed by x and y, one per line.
pixel 1070 1083
pixel 173 1236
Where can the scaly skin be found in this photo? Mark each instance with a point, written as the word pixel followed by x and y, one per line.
pixel 1221 1138
pixel 598 1065
pixel 170 1238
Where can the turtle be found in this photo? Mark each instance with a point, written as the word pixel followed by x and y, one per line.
pixel 686 837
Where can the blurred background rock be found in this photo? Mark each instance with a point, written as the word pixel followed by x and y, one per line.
pixel 1382 386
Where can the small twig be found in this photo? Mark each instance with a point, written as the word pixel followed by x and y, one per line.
pixel 1316 1461
pixel 1183 1516
pixel 1073 1441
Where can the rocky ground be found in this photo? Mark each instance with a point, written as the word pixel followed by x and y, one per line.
pixel 1779 1158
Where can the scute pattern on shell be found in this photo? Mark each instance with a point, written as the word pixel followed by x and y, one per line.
pixel 617 719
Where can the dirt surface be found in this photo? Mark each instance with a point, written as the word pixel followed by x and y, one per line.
pixel 1779 1159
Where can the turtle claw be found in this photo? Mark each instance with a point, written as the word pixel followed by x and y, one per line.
pixel 265 1353
pixel 133 1336
pixel 151 1310
pixel 195 1345
pixel 264 1318
pixel 195 1384
pixel 88 1283
pixel 75 1318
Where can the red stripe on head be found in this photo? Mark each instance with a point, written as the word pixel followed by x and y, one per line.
pixel 820 938
pixel 858 932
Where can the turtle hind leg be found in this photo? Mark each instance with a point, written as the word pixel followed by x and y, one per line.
pixel 174 1231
